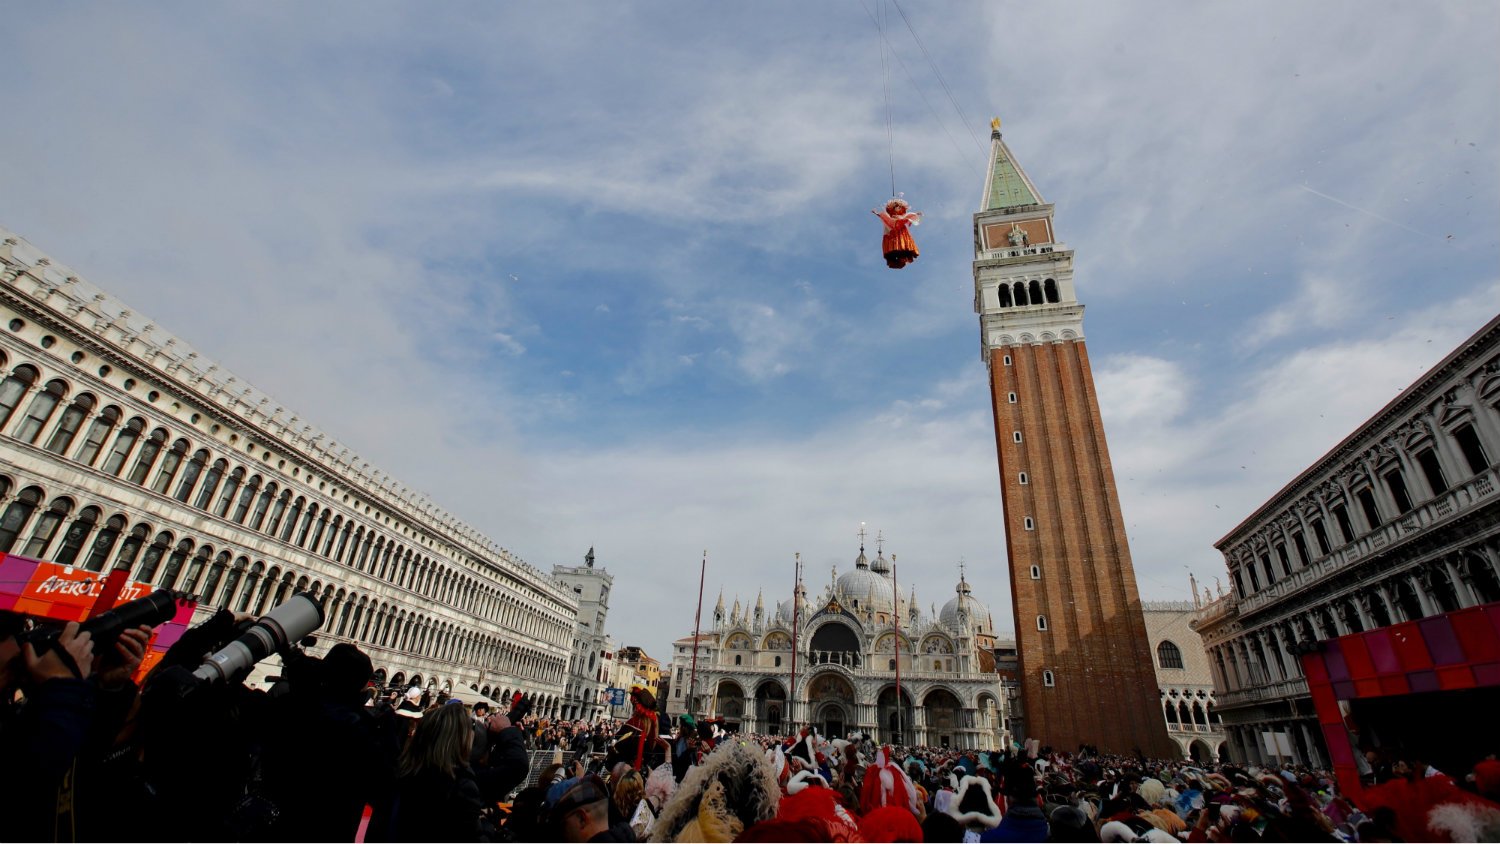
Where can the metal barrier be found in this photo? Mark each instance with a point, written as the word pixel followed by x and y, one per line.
pixel 539 759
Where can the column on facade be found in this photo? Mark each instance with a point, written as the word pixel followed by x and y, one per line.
pixel 1309 735
pixel 1384 501
pixel 1461 585
pixel 1429 606
pixel 1366 622
pixel 1272 669
pixel 1392 606
pixel 1287 655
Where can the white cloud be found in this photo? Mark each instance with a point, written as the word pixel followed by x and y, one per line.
pixel 510 344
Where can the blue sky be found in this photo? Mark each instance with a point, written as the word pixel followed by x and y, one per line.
pixel 606 273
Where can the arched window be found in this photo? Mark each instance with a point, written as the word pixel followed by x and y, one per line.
pixel 40 411
pixel 131 547
pixel 98 432
pixel 307 522
pixel 147 458
pixel 1018 293
pixel 175 564
pixel 1034 292
pixel 124 442
pixel 322 526
pixel 232 581
pixel 152 559
pixel 247 497
pixel 1406 599
pixel 251 581
pixel 1171 710
pixel 78 533
pixel 277 511
pixel 1003 292
pixel 190 475
pixel 1168 655
pixel 211 483
pixel 1041 622
pixel 1441 587
pixel 291 520
pixel 231 486
pixel 1482 579
pixel 46 528
pixel 195 570
pixel 72 420
pixel 215 574
pixel 13 389
pixel 1048 679
pixel 169 465
pixel 1049 290
pixel 17 515
pixel 104 542
pixel 259 516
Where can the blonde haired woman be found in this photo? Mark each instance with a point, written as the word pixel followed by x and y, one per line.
pixel 437 798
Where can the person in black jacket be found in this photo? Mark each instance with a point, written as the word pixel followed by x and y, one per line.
pixel 328 754
pixel 506 763
pixel 437 797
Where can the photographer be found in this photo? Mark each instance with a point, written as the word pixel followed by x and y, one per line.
pixel 75 703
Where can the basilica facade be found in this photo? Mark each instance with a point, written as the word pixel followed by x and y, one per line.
pixel 848 640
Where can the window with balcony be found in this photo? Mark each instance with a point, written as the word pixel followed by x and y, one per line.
pixel 1320 535
pixel 1366 500
pixel 1396 483
pixel 1473 449
pixel 1432 471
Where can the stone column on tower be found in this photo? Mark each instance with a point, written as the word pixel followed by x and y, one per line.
pixel 1087 673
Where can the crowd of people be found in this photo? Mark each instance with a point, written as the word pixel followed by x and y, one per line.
pixel 326 755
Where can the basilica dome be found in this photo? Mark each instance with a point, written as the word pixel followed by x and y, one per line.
pixel 865 589
pixel 978 615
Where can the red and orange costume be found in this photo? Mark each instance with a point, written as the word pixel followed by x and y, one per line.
pixel 898 246
pixel 639 740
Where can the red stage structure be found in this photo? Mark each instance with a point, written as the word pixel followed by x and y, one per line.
pixel 1435 677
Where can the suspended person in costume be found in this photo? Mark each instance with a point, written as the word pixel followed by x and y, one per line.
pixel 638 741
pixel 898 246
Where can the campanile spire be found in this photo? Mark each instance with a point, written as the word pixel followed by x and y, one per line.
pixel 1086 666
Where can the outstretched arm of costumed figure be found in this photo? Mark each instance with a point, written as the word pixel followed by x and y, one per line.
pixel 890 222
pixel 913 217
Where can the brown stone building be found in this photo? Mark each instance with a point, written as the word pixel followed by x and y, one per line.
pixel 1085 658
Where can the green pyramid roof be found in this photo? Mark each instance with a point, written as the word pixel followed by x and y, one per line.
pixel 1008 184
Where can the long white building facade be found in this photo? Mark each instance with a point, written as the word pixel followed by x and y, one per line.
pixel 122 446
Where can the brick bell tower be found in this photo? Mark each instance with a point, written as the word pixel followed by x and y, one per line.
pixel 1087 675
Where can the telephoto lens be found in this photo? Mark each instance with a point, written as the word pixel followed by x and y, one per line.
pixel 288 623
pixel 155 609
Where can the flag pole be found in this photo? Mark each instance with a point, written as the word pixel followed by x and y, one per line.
pixel 697 621
pixel 791 698
pixel 896 587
